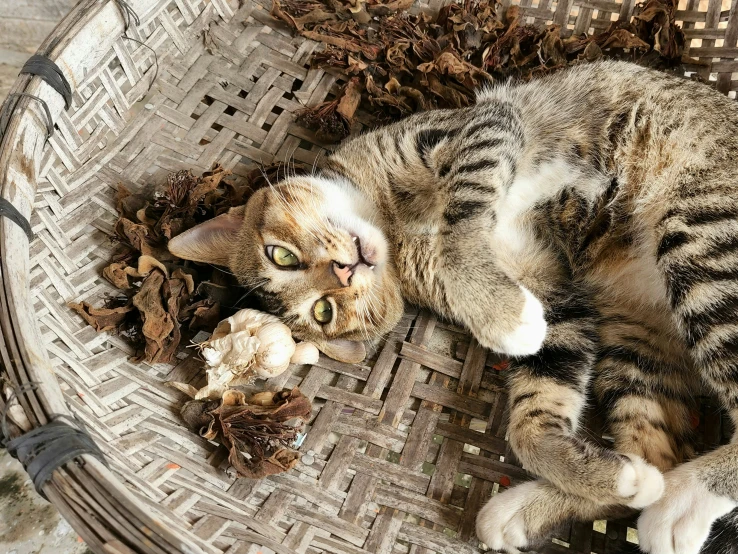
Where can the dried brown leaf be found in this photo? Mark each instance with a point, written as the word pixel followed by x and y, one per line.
pixel 102 319
pixel 349 100
pixel 157 323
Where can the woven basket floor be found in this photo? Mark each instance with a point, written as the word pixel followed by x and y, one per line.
pixel 402 450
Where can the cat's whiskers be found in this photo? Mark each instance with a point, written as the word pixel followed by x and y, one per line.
pixel 258 284
pixel 224 270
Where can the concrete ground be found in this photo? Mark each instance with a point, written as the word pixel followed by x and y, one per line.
pixel 28 523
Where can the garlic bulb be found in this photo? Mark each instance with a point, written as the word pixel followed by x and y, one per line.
pixel 250 344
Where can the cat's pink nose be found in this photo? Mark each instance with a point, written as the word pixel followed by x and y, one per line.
pixel 343 272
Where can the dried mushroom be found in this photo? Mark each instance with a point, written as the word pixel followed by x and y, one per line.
pixel 259 431
pixel 398 63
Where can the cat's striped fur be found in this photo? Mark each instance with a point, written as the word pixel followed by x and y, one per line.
pixel 601 199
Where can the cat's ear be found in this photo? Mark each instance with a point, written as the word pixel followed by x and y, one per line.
pixel 348 351
pixel 211 242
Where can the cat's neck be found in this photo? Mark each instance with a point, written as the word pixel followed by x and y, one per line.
pixel 366 193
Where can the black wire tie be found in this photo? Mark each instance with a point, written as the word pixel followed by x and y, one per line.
pixel 49 72
pixel 11 212
pixel 49 447
pixel 6 112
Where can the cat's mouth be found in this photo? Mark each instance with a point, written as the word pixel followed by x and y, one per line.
pixel 366 255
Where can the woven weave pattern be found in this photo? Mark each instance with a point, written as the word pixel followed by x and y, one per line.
pixel 402 450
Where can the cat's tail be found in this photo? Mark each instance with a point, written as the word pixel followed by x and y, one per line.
pixel 723 536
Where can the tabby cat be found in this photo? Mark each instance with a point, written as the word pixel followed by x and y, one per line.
pixel 585 224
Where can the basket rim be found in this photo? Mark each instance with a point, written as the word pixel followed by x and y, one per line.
pixel 83 492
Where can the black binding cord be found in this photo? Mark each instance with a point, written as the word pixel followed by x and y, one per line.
pixel 6 208
pixel 49 72
pixel 6 112
pixel 129 15
pixel 50 446
pixel 11 212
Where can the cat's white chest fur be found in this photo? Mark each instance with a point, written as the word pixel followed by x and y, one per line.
pixel 521 254
pixel 513 237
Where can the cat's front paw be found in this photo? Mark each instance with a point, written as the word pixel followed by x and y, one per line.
pixel 527 338
pixel 501 523
pixel 640 484
pixel 680 522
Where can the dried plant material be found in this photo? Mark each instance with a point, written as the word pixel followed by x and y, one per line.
pixel 120 273
pixel 247 345
pixel 259 432
pixel 102 319
pixel 402 63
pixel 655 22
pixel 166 299
pixel 333 119
pixel 157 323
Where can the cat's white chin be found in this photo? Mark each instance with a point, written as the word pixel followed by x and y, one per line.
pixel 349 210
pixel 527 338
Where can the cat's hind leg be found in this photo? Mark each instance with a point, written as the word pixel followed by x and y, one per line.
pixel 697 257
pixel 547 396
pixel 646 384
pixel 526 515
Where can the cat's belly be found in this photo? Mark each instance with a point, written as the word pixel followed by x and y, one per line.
pixel 630 277
pixel 627 283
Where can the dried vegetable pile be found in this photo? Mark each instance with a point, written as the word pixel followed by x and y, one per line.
pixel 264 426
pixel 163 301
pixel 399 63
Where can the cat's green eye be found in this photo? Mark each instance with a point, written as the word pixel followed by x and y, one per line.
pixel 282 257
pixel 323 311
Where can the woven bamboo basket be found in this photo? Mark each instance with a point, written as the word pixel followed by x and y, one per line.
pixel 401 451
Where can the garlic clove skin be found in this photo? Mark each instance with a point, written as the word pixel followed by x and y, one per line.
pixel 251 342
pixel 275 349
pixel 305 353
pixel 243 320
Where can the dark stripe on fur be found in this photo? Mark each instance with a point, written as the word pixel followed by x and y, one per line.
pixel 522 397
pixel 699 215
pixel 556 419
pixel 719 246
pixel 459 210
pixel 458 186
pixel 624 355
pixel 670 241
pixel 270 302
pixel 426 140
pixel 681 279
pixel 701 323
pixel 481 165
pixel 557 362
pixel 481 145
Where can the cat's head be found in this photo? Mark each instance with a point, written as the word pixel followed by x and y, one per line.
pixel 313 255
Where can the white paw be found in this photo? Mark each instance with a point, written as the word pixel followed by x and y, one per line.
pixel 501 523
pixel 680 522
pixel 527 338
pixel 640 483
